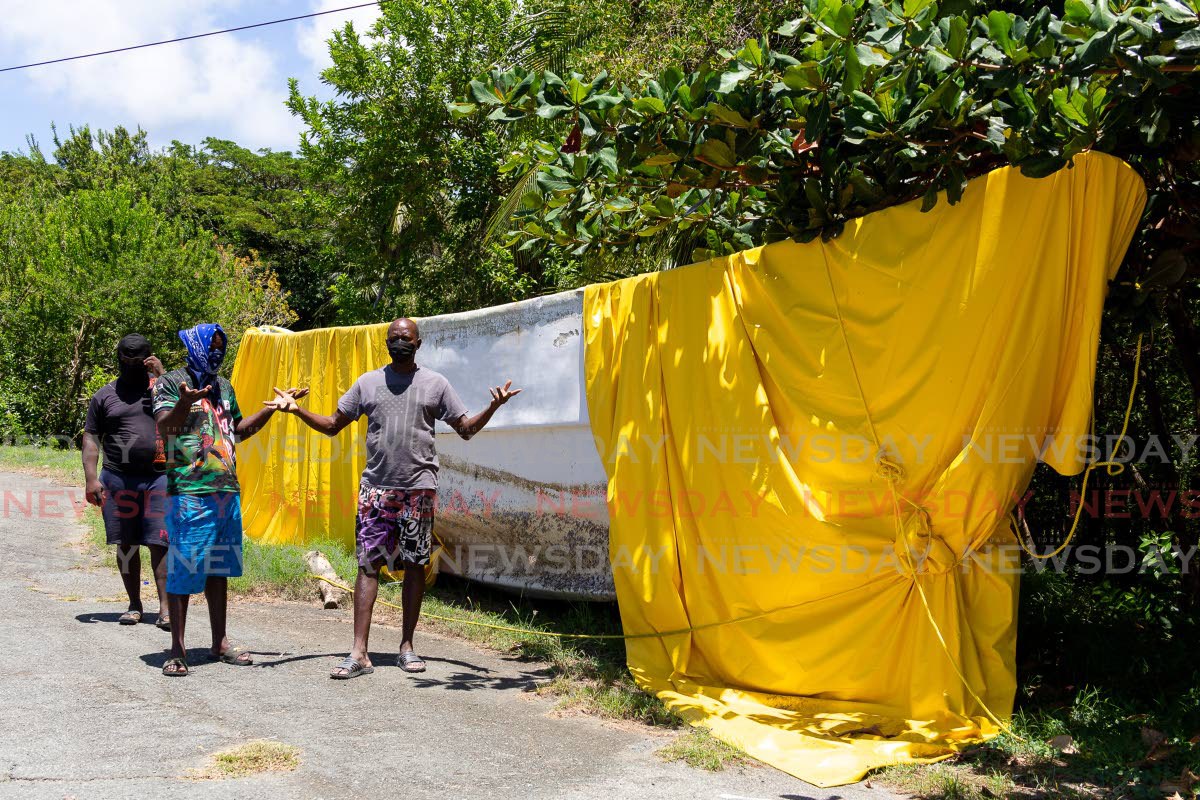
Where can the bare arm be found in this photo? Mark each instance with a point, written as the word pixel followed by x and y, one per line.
pixel 248 426
pixel 93 489
pixel 330 425
pixel 467 426
pixel 253 424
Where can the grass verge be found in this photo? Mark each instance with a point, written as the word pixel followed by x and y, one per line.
pixel 251 758
pixel 1090 749
pixel 699 748
pixel 66 467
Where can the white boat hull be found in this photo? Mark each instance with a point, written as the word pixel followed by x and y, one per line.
pixel 521 505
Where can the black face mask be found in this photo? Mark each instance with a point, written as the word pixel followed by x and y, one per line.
pixel 401 350
pixel 134 373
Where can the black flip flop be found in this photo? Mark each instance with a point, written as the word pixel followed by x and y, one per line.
pixel 163 623
pixel 353 668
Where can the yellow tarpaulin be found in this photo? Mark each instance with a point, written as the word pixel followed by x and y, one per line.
pixel 301 485
pixel 745 474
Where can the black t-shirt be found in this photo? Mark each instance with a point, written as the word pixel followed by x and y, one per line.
pixel 121 417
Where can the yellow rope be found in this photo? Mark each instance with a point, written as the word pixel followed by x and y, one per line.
pixel 893 472
pixel 1112 467
pixel 654 635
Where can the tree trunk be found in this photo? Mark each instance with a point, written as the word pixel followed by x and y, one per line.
pixel 75 379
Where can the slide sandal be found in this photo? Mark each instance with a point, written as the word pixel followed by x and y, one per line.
pixel 353 668
pixel 411 662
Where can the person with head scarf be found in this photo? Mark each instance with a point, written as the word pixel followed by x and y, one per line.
pixel 394 526
pixel 130 488
pixel 200 421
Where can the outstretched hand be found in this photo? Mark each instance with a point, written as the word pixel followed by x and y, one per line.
pixel 502 394
pixel 189 395
pixel 285 401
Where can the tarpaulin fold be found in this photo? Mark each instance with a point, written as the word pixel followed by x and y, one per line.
pixel 768 394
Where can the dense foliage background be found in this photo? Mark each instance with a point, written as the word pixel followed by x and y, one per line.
pixel 480 151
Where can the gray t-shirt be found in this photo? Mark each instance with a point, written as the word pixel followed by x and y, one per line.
pixel 401 409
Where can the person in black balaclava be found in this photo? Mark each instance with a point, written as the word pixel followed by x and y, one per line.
pixel 132 486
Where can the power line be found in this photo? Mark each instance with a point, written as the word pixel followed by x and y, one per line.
pixel 194 36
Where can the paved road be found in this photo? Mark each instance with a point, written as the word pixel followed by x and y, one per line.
pixel 85 712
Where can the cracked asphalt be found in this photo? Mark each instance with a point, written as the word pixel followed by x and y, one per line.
pixel 86 713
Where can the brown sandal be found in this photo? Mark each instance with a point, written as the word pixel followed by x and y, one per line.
pixel 175 668
pixel 237 656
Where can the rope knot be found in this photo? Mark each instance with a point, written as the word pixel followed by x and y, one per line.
pixel 888 468
pixel 921 549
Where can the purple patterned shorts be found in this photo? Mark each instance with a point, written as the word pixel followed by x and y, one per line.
pixel 394 527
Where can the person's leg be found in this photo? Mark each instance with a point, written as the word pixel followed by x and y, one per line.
pixel 182 577
pixel 120 530
pixel 370 535
pixel 156 539
pixel 178 605
pixel 158 563
pixel 216 594
pixel 366 590
pixel 417 546
pixel 129 564
pixel 413 592
pixel 224 561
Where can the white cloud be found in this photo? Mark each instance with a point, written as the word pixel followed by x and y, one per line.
pixel 230 85
pixel 312 39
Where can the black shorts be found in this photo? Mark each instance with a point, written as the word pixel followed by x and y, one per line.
pixel 134 508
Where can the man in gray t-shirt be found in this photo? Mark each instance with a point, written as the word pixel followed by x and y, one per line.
pixel 399 486
pixel 400 409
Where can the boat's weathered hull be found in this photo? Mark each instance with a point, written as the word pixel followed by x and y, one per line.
pixel 521 505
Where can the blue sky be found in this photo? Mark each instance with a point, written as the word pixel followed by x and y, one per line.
pixel 231 86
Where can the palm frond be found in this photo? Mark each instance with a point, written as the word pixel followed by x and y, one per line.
pixel 498 222
pixel 546 40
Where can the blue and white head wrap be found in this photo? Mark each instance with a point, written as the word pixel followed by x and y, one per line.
pixel 200 364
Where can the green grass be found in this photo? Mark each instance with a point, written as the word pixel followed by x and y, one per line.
pixel 251 758
pixel 1111 755
pixel 946 782
pixel 61 465
pixel 699 748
